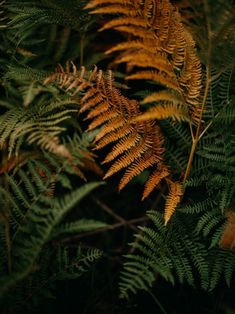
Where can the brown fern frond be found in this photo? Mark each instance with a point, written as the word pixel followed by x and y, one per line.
pixel 136 168
pixel 113 136
pixel 115 124
pixel 102 118
pixel 134 21
pixel 123 145
pixel 131 44
pixel 164 95
pixel 156 35
pixel 173 199
pixel 128 158
pixel 227 240
pixel 177 112
pixel 94 3
pixel 154 179
pixel 117 9
pixel 136 146
pixel 146 60
pixel 157 77
pixel 136 31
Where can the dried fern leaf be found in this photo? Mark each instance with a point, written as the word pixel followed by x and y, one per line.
pixel 176 112
pixel 132 44
pixel 227 240
pixel 134 21
pixel 146 60
pixel 115 124
pixel 127 160
pixel 154 180
pixel 116 9
pixel 123 145
pixel 94 3
pixel 164 95
pixel 157 77
pixel 142 163
pixel 173 199
pixel 153 27
pixel 136 146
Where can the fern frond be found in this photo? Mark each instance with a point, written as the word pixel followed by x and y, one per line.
pixel 75 227
pixel 47 213
pixel 175 112
pixel 182 253
pixel 227 240
pixel 140 144
pixel 165 95
pixel 39 124
pixel 173 199
pixel 157 77
pixel 159 42
pixel 72 268
pixel 154 180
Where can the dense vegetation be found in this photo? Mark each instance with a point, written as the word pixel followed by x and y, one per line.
pixel 147 88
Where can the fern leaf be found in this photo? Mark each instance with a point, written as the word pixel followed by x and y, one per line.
pixel 157 77
pixel 175 112
pixel 227 240
pixel 173 199
pixel 154 180
pixel 165 95
pixel 136 168
pixel 75 227
pixel 140 144
pixel 158 41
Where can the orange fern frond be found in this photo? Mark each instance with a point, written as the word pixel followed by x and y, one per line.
pixel 173 199
pixel 134 21
pixel 123 145
pixel 136 168
pixel 115 8
pixel 227 240
pixel 154 179
pixel 157 42
pixel 146 60
pixel 164 95
pixel 136 146
pixel 177 112
pixel 158 77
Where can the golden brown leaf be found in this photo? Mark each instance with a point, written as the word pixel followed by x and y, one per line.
pixel 173 199
pixel 227 240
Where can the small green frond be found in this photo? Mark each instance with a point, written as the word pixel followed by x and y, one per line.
pixel 75 227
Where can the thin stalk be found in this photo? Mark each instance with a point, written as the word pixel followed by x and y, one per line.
pixel 197 137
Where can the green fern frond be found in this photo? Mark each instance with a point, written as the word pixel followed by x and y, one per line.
pixel 75 227
pixel 39 215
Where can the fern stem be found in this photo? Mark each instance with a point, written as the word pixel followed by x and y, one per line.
pixel 198 134
pixel 108 228
pixel 157 302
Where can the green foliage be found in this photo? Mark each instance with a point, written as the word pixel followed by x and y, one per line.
pixel 177 254
pixel 32 215
pixel 48 176
pixel 188 250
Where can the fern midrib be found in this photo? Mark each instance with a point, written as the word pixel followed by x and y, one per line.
pixel 197 137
